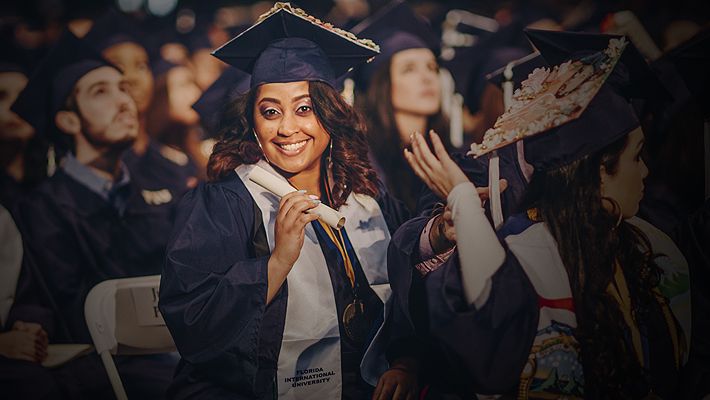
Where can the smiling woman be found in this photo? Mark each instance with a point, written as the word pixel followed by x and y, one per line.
pixel 263 299
pixel 301 126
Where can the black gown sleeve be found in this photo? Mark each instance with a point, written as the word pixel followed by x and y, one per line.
pixel 693 240
pixel 214 286
pixel 394 211
pixel 477 350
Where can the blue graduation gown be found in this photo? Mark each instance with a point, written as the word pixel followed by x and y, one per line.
pixel 479 350
pixel 73 240
pixel 694 240
pixel 152 171
pixel 213 296
pixel 11 191
pixel 485 350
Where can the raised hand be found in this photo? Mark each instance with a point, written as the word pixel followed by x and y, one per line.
pixel 438 171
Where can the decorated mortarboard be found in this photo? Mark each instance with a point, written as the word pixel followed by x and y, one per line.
pixel 288 45
pixel 230 84
pixel 577 105
pixel 395 27
pixel 557 47
pixel 53 81
pixel 519 70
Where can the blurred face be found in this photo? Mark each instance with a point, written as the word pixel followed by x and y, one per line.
pixel 287 128
pixel 182 93
pixel 133 61
pixel 207 68
pixel 625 186
pixel 107 112
pixel 12 127
pixel 415 82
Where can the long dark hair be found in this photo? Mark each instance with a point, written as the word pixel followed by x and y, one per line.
pixel 568 199
pixel 351 168
pixel 384 139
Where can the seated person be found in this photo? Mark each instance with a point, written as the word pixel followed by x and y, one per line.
pixel 89 222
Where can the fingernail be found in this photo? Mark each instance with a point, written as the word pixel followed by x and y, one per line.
pixel 313 197
pixel 316 202
pixel 302 191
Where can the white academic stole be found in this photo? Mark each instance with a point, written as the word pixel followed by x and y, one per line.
pixel 309 365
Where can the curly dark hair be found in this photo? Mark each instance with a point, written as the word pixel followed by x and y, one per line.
pixel 351 168
pixel 590 243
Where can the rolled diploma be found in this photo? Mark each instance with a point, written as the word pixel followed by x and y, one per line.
pixel 280 188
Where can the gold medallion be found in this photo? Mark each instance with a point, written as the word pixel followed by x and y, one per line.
pixel 354 321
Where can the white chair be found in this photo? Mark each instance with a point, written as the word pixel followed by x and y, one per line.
pixel 123 319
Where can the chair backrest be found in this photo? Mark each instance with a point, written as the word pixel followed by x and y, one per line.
pixel 123 317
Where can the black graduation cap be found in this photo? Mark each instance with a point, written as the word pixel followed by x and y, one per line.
pixel 557 47
pixel 395 27
pixel 114 28
pixel 230 84
pixel 572 110
pixel 521 68
pixel 198 40
pixel 288 45
pixel 162 66
pixel 12 59
pixel 53 80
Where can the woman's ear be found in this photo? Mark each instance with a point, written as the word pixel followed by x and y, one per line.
pixel 68 122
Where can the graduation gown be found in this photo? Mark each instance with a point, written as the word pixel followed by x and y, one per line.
pixel 508 345
pixel 213 296
pixel 694 240
pixel 73 240
pixel 161 180
pixel 11 191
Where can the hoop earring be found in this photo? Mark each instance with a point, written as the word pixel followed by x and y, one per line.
pixel 617 208
pixel 259 144
pixel 330 154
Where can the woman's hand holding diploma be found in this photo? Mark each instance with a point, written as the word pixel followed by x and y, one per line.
pixel 289 232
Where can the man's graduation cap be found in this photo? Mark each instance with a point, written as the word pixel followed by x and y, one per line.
pixel 230 84
pixel 395 27
pixel 53 81
pixel 581 105
pixel 12 58
pixel 113 28
pixel 288 45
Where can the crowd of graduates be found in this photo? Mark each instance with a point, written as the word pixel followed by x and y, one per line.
pixel 128 139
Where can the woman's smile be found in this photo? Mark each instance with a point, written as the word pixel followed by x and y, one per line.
pixel 293 148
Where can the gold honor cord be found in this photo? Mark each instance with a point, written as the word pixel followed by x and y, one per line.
pixel 354 320
pixel 337 238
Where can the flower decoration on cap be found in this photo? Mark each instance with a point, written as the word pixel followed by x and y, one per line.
pixel 326 25
pixel 550 98
pixel 288 45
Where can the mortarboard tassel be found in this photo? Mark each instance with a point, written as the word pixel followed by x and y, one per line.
pixel 494 161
